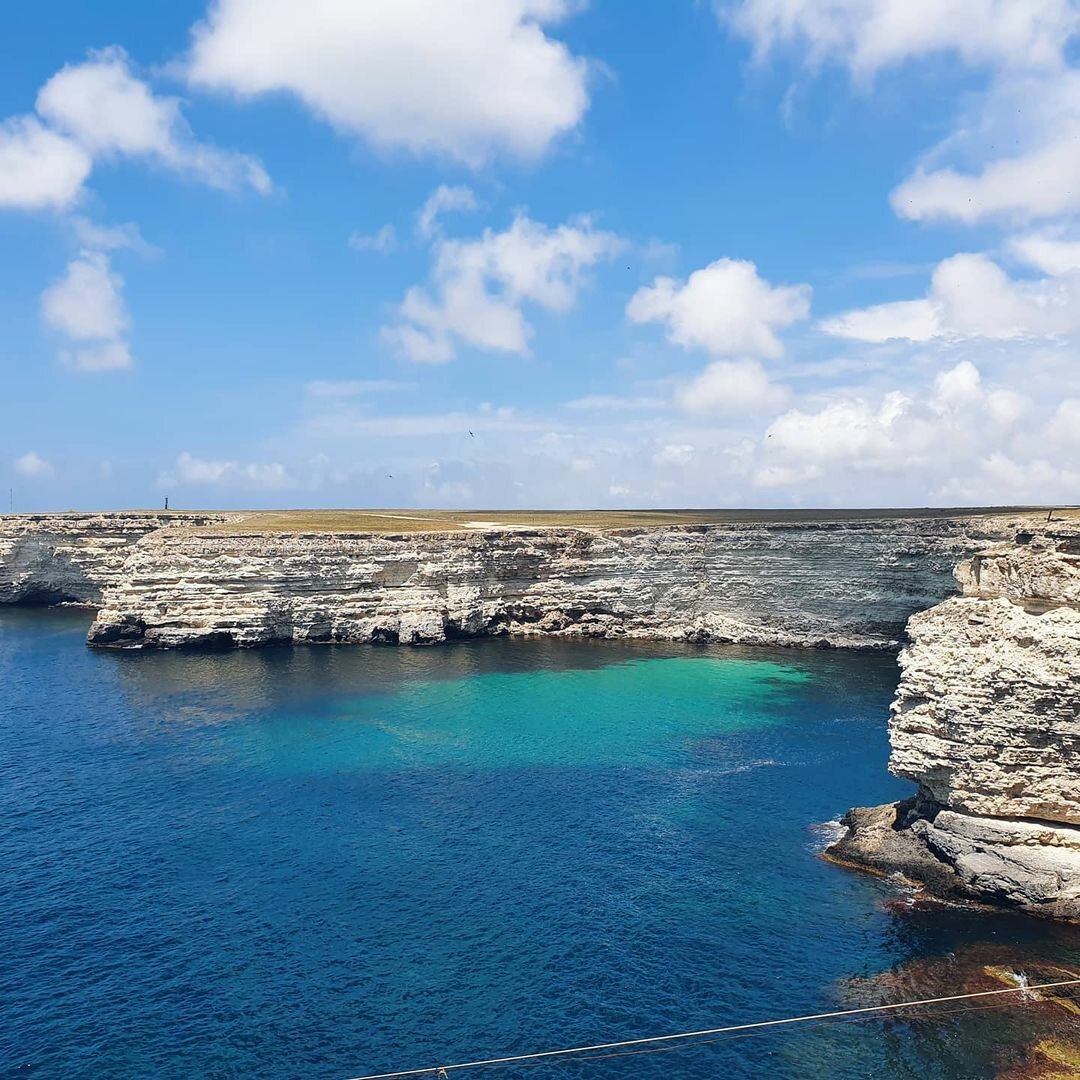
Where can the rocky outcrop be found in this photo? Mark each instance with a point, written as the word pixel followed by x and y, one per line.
pixel 71 558
pixel 850 583
pixel 987 722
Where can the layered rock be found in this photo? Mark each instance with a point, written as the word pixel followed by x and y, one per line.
pixel 986 721
pixel 851 583
pixel 71 558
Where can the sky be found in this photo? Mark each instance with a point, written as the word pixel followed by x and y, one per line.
pixel 540 253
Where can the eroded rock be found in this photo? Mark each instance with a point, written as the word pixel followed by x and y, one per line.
pixel 986 721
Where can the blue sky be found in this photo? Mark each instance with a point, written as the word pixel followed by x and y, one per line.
pixel 750 253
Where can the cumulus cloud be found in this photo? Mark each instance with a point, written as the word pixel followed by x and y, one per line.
pixel 1008 480
pixel 443 198
pixel 479 287
pixel 86 306
pixel 970 297
pixel 86 303
pixel 33 466
pixel 674 454
pixel 1064 426
pixel 97 110
pixel 108 111
pixel 463 80
pixel 968 179
pixel 1031 106
pixel 725 308
pixel 384 240
pixel 39 169
pixel 869 35
pixel 946 429
pixel 1050 253
pixel 728 386
pixel 193 471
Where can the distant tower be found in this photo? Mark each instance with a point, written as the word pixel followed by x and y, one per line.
pixel 166 502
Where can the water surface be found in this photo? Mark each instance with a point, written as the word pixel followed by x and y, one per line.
pixel 327 861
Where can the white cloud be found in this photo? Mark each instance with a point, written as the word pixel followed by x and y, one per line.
pixel 347 389
pixel 967 178
pixel 480 287
pixel 1047 252
pixel 911 320
pixel 33 466
pixel 107 356
pixel 728 386
pixel 382 241
pixel 724 308
pixel 107 110
pixel 616 403
pixel 1036 481
pixel 422 425
pixel 868 35
pixel 111 237
pixel 190 470
pixel 1031 106
pixel 677 454
pixel 39 169
pixel 86 303
pixel 442 199
pixel 1064 426
pixel 99 110
pixel 945 428
pixel 464 80
pixel 970 297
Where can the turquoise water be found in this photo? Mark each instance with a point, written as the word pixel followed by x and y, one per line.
pixel 328 861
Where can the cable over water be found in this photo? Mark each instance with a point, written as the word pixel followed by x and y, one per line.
pixel 443 1070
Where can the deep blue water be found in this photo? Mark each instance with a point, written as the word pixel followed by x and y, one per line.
pixel 323 862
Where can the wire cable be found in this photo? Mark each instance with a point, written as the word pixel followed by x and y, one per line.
pixel 444 1070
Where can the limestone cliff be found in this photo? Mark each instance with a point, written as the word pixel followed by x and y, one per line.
pixel 987 722
pixel 841 583
pixel 71 558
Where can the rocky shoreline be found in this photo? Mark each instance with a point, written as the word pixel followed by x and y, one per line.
pixel 986 722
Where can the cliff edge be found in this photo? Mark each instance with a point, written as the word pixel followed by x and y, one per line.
pixel 986 721
pixel 809 583
pixel 72 558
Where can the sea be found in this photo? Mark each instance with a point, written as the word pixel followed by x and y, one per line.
pixel 334 861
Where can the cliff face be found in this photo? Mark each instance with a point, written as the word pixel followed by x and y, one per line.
pixel 987 722
pixel 839 583
pixel 72 558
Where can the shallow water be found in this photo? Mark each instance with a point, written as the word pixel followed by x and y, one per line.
pixel 328 861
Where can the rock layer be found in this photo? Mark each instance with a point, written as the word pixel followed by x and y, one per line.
pixel 72 558
pixel 827 583
pixel 986 721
